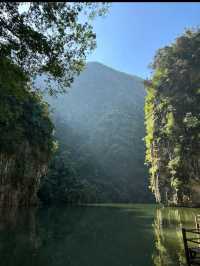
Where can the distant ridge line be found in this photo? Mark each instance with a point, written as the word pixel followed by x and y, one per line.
pixel 113 69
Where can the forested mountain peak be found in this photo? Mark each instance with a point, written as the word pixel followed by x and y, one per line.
pixel 101 122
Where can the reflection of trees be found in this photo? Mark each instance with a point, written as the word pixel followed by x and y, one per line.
pixel 100 236
pixel 27 236
pixel 12 245
pixel 167 226
pixel 75 236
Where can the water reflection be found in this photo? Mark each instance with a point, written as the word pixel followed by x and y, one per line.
pixel 118 235
pixel 169 249
pixel 91 236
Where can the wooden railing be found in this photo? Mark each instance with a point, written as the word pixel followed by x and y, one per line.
pixel 192 246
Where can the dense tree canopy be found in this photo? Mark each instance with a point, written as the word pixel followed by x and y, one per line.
pixel 24 115
pixel 63 185
pixel 173 121
pixel 48 37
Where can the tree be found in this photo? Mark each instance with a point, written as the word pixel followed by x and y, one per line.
pixel 48 37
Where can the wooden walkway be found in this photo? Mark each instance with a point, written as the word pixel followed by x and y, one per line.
pixel 191 240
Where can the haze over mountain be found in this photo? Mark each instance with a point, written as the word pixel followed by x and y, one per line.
pixel 100 122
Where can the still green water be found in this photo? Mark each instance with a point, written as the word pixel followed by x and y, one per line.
pixel 103 235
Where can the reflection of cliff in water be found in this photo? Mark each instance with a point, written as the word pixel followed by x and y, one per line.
pixel 27 236
pixel 169 249
pixel 77 236
pixel 88 236
pixel 12 245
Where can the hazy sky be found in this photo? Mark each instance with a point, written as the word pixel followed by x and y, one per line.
pixel 128 37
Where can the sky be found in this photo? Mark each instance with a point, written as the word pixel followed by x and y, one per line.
pixel 131 33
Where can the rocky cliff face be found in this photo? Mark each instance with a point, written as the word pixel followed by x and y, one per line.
pixel 172 113
pixel 26 137
pixel 175 165
pixel 185 193
pixel 20 176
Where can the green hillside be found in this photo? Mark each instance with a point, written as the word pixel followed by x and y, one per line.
pixel 100 124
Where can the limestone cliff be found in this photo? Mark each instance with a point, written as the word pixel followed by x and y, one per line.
pixel 20 176
pixel 26 138
pixel 172 117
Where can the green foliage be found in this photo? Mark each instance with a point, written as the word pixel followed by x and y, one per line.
pixel 191 121
pixel 172 117
pixel 23 114
pixel 169 123
pixel 48 37
pixel 62 185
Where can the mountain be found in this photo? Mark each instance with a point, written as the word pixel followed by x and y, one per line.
pixel 100 121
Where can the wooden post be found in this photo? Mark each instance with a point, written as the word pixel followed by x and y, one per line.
pixel 187 254
pixel 197 221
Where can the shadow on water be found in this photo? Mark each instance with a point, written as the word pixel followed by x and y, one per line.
pixel 113 235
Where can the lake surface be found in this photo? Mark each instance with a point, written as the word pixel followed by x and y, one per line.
pixel 106 235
